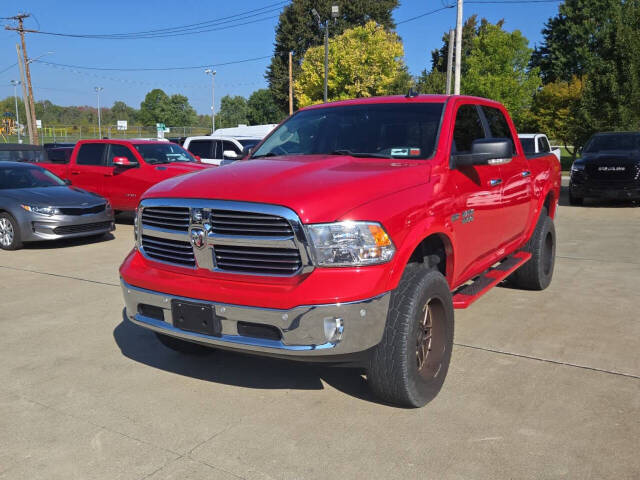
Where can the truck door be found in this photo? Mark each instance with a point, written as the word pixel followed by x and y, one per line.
pixel 476 221
pixel 124 185
pixel 516 180
pixel 89 168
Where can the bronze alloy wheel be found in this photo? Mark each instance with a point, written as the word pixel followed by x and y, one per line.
pixel 430 341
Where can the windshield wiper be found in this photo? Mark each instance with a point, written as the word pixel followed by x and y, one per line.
pixel 268 154
pixel 359 154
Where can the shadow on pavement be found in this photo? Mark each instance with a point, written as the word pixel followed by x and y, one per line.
pixel 230 368
pixel 68 242
pixel 595 202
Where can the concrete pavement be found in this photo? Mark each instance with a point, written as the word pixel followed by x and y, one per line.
pixel 542 384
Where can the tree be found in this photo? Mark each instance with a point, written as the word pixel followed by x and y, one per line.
pixel 497 68
pixel 233 112
pixel 122 111
pixel 297 31
pixel 158 107
pixel 180 112
pixel 262 109
pixel 363 62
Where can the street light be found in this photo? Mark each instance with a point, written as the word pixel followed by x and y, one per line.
pixel 335 10
pixel 15 84
pixel 98 90
pixel 212 72
pixel 31 60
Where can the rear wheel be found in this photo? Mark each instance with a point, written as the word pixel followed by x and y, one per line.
pixel 9 233
pixel 183 346
pixel 536 274
pixel 410 364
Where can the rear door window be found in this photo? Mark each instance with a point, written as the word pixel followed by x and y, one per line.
pixel 468 128
pixel 543 145
pixel 202 148
pixel 91 154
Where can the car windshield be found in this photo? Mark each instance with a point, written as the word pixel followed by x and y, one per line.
pixel 528 145
pixel 389 130
pixel 609 142
pixel 155 153
pixel 21 155
pixel 27 177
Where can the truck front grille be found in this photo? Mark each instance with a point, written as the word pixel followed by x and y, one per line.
pixel 268 261
pixel 170 218
pixel 170 251
pixel 224 236
pixel 612 171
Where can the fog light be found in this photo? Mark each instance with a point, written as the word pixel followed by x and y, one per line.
pixel 333 329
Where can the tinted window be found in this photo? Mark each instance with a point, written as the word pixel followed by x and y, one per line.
pixel 22 155
pixel 59 155
pixel 20 177
pixel 227 145
pixel 613 141
pixel 154 153
pixel 498 124
pixel 528 145
pixel 91 154
pixel 467 129
pixel 120 151
pixel 201 148
pixel 543 144
pixel 393 130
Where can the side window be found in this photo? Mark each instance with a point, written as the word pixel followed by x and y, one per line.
pixel 91 154
pixel 543 145
pixel 468 128
pixel 201 148
pixel 498 124
pixel 227 145
pixel 120 151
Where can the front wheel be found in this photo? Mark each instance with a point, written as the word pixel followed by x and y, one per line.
pixel 9 233
pixel 410 364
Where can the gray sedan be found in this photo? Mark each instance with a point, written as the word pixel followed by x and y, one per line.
pixel 37 205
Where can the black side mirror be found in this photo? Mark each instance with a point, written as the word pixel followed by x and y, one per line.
pixel 486 151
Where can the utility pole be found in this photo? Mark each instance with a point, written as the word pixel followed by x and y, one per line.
pixel 25 97
pixel 456 90
pixel 15 84
pixel 450 59
pixel 98 90
pixel 325 25
pixel 290 83
pixel 212 72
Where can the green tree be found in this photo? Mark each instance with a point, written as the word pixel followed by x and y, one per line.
pixel 233 112
pixel 297 31
pixel 262 109
pixel 180 112
pixel 363 62
pixel 497 68
pixel 122 111
pixel 154 108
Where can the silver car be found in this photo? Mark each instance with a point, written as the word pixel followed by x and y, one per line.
pixel 37 205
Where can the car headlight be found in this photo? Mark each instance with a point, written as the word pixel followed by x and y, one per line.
pixel 577 167
pixel 108 207
pixel 49 211
pixel 348 244
pixel 135 227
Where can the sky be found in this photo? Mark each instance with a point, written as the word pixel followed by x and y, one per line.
pixel 72 86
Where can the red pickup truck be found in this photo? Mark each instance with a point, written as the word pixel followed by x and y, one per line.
pixel 122 170
pixel 350 235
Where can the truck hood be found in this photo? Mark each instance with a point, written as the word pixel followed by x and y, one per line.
pixel 180 168
pixel 319 188
pixel 62 196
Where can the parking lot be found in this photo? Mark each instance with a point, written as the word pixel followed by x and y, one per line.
pixel 541 385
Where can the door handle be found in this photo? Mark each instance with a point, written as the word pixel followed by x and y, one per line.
pixel 495 182
pixel 75 172
pixel 526 173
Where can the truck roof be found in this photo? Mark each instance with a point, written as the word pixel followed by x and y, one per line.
pixel 123 141
pixel 400 99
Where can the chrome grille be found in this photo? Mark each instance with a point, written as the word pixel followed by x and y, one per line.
pixel 226 222
pixel 170 218
pixel 166 250
pixel 267 261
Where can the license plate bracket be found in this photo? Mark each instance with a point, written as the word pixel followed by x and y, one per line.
pixel 196 317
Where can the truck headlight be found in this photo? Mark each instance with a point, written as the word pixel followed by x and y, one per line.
pixel 577 167
pixel 348 244
pixel 136 227
pixel 48 211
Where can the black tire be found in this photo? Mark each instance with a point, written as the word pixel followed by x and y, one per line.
pixel 10 238
pixel 537 273
pixel 394 374
pixel 573 200
pixel 183 346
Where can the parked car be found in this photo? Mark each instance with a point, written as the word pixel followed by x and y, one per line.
pixel 217 149
pixel 37 205
pixel 348 236
pixel 22 152
pixel 537 143
pixel 608 168
pixel 121 170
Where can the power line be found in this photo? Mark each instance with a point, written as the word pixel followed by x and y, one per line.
pixel 431 12
pixel 8 68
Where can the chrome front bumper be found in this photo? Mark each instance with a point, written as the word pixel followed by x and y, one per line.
pixel 306 331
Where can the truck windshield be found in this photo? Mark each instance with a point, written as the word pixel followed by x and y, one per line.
pixel 612 142
pixel 387 130
pixel 155 153
pixel 23 177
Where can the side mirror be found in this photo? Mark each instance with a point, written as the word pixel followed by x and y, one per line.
pixel 197 157
pixel 123 162
pixel 229 155
pixel 486 151
pixel 247 151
